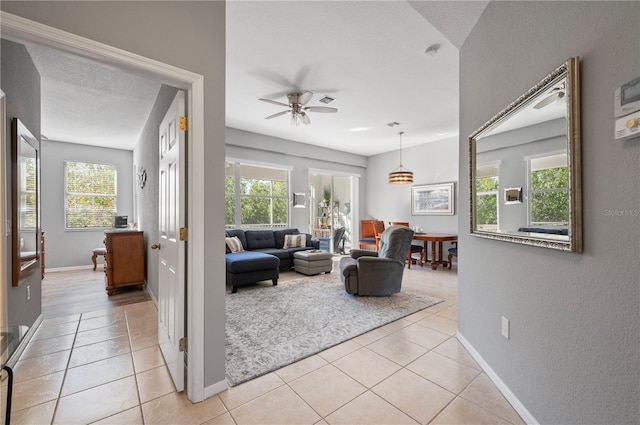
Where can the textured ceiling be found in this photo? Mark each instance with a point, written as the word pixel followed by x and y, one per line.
pixel 87 103
pixel 368 55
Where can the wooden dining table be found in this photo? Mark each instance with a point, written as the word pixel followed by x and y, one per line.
pixel 435 238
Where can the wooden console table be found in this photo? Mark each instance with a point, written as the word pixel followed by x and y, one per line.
pixel 435 238
pixel 124 260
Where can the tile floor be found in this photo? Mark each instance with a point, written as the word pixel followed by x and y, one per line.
pixel 105 367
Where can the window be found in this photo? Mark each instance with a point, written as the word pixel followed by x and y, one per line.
pixel 255 196
pixel 28 207
pixel 487 183
pixel 90 198
pixel 549 190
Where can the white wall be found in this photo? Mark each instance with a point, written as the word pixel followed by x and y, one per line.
pixel 575 318
pixel 68 248
pixel 433 162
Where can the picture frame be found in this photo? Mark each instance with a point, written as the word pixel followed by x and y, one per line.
pixel 433 199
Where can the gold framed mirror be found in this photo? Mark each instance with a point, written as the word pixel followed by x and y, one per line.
pixel 534 143
pixel 24 202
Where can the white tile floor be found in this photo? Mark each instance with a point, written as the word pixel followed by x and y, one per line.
pixel 105 367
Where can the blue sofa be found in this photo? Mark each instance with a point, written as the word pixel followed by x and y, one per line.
pixel 263 255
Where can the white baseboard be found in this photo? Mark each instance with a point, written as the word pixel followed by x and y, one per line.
pixel 153 297
pixel 68 269
pixel 216 388
pixel 502 387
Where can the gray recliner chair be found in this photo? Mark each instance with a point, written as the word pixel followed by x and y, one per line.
pixel 378 273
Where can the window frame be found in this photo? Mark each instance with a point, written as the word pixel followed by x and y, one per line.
pixel 496 192
pixel 67 194
pixel 238 196
pixel 531 192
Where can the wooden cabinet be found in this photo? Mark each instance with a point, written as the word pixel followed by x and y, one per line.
pixel 124 261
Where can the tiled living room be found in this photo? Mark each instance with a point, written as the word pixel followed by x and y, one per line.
pixel 105 367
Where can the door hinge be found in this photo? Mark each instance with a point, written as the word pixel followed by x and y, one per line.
pixel 184 123
pixel 183 344
pixel 184 234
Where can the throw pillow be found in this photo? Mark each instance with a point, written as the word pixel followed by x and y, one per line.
pixel 295 241
pixel 234 244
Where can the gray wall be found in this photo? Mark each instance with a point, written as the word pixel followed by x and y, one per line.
pixel 146 155
pixel 301 157
pixel 433 162
pixel 20 82
pixel 68 248
pixel 189 35
pixel 573 352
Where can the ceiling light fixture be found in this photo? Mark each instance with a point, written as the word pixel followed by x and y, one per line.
pixel 400 175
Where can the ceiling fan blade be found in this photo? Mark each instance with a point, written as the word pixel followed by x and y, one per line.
pixel 325 109
pixel 305 118
pixel 277 115
pixel 305 97
pixel 274 102
pixel 546 101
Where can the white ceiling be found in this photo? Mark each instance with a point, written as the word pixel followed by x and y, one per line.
pixel 368 55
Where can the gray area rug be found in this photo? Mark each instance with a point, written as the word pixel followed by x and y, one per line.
pixel 269 327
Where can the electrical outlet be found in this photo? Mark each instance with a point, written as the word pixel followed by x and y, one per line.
pixel 28 292
pixel 505 327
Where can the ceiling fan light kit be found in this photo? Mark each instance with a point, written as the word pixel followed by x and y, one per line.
pixel 400 175
pixel 297 109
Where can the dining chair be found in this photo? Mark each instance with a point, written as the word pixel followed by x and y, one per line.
pixel 367 234
pixel 415 249
pixel 378 226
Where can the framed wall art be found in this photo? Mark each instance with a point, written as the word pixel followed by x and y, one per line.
pixel 433 199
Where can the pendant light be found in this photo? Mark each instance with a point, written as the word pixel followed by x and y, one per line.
pixel 400 175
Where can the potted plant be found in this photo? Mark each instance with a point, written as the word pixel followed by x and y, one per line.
pixel 326 195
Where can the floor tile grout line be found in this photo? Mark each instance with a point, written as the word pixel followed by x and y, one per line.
pixel 66 369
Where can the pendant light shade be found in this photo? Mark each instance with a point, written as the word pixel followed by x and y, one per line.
pixel 400 175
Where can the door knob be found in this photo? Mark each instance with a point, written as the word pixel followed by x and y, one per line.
pixel 155 246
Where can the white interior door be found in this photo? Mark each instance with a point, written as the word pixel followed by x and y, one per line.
pixel 171 279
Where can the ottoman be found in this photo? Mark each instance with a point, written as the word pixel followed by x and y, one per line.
pixel 312 262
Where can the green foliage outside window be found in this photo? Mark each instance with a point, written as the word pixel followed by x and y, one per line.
pixel 487 202
pixel 263 202
pixel 550 196
pixel 90 195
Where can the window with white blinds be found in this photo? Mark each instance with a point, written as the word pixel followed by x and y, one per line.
pixel 90 195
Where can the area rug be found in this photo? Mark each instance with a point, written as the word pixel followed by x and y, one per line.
pixel 269 327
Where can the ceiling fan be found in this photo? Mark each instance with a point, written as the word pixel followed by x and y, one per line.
pixel 556 93
pixel 297 109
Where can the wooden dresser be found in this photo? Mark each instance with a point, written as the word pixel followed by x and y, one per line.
pixel 124 261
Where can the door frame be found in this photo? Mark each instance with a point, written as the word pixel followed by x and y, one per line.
pixel 22 30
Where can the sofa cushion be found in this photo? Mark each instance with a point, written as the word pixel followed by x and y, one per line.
pixel 259 239
pixel 295 241
pixel 240 234
pixel 248 261
pixel 234 244
pixel 281 233
pixel 282 254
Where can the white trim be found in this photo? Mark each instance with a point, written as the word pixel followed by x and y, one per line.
pixel 502 387
pixel 23 30
pixel 69 268
pixel 216 388
pixel 4 224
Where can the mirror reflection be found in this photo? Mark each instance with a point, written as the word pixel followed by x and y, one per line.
pixel 525 167
pixel 25 203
